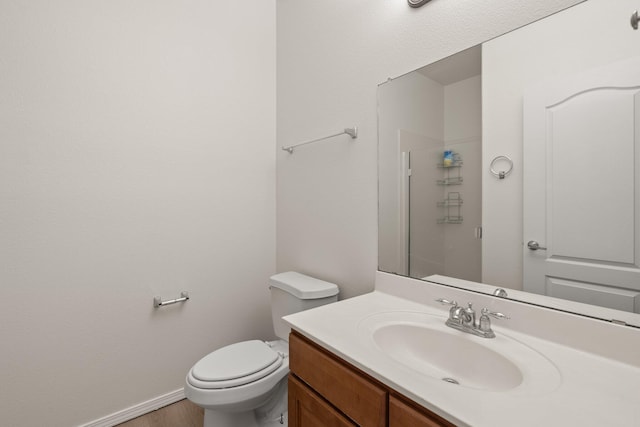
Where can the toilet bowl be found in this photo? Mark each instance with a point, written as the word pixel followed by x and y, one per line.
pixel 245 384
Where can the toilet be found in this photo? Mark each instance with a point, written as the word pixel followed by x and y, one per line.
pixel 245 384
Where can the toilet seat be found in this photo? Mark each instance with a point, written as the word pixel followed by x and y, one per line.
pixel 235 365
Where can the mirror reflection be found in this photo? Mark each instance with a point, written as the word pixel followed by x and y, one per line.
pixel 430 156
pixel 555 105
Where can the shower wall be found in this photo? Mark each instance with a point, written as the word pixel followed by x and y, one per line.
pixel 410 106
pixel 463 134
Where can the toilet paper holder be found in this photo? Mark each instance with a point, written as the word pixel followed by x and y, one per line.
pixel 157 301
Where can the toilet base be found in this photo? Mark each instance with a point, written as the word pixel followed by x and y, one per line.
pixel 273 413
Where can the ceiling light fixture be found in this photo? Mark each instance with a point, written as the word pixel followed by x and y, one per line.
pixel 417 3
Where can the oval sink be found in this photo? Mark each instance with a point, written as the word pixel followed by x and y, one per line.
pixel 422 344
pixel 445 355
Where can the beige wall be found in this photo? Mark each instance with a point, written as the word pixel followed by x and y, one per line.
pixel 331 57
pixel 136 159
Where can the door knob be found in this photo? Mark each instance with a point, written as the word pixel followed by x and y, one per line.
pixel 534 246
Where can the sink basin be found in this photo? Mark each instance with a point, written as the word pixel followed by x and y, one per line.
pixel 421 344
pixel 459 360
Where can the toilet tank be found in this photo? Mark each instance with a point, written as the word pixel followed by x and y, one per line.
pixel 292 292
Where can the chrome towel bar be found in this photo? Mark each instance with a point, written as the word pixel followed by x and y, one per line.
pixel 157 301
pixel 352 132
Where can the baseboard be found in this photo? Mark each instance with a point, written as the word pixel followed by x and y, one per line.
pixel 137 410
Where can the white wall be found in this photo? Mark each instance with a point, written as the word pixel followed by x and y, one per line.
pixel 331 57
pixel 136 159
pixel 555 47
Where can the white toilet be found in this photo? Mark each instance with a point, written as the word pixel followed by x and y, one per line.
pixel 245 384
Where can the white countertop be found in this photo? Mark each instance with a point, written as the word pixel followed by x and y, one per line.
pixel 592 391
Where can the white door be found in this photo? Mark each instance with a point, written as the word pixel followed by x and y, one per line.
pixel 582 187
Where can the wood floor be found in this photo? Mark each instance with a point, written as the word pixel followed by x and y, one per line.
pixel 179 414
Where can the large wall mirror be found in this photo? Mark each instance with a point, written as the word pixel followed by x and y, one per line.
pixel 516 163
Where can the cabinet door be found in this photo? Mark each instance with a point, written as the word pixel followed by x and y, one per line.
pixel 307 409
pixel 403 415
pixel 349 391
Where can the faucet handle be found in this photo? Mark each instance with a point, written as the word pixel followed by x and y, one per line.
pixel 447 302
pixel 495 314
pixel 484 325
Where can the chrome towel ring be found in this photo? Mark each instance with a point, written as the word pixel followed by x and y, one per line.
pixel 504 173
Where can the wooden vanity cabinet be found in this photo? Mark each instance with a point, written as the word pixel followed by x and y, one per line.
pixel 333 380
pixel 404 413
pixel 326 391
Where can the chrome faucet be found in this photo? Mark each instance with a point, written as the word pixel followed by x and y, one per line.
pixel 464 319
pixel 469 316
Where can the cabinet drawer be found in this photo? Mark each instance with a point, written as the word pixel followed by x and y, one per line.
pixel 361 400
pixel 402 414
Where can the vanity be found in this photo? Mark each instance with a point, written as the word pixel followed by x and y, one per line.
pixel 387 359
pixel 323 387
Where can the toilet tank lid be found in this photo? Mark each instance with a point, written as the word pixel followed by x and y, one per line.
pixel 303 287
